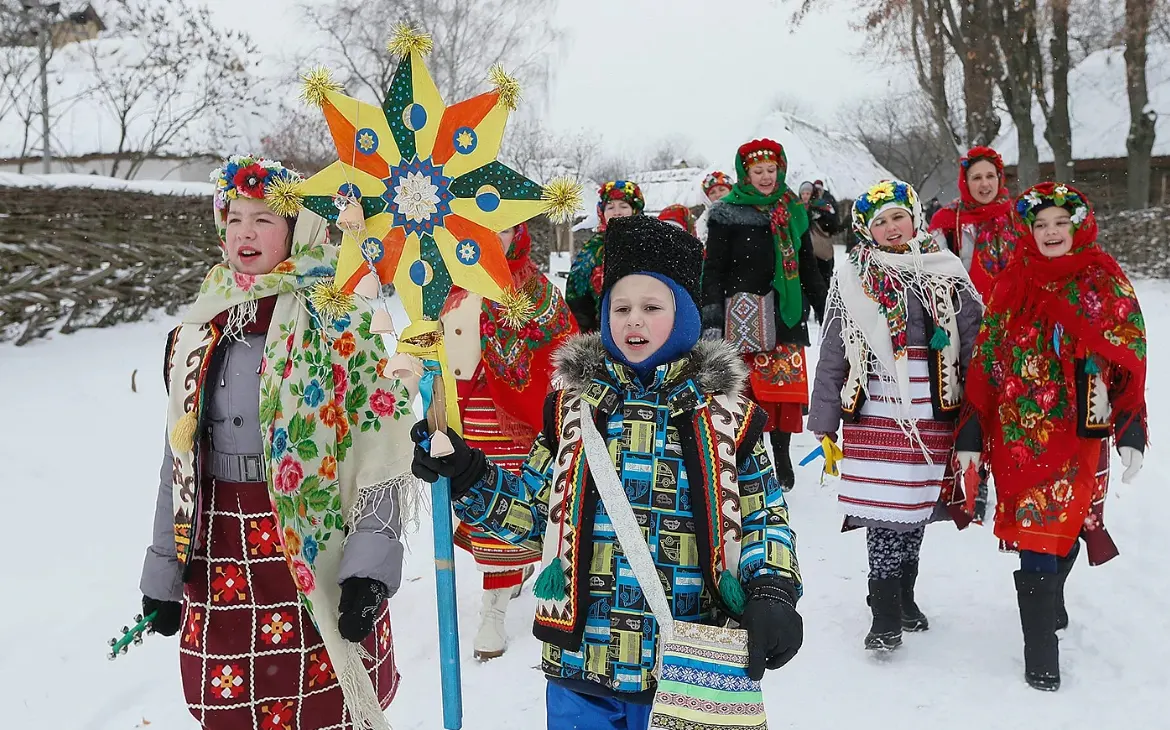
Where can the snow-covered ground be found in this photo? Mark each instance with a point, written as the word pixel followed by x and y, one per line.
pixel 79 455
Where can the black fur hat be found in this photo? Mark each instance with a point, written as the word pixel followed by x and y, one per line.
pixel 639 244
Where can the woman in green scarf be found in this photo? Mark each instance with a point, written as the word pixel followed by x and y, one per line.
pixel 759 282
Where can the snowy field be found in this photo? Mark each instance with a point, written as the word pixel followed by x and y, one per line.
pixel 80 455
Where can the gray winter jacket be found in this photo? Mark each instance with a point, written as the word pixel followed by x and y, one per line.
pixel 824 413
pixel 372 550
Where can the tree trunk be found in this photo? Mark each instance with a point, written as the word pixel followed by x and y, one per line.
pixel 978 73
pixel 1013 25
pixel 1058 131
pixel 1140 142
pixel 927 21
pixel 1028 166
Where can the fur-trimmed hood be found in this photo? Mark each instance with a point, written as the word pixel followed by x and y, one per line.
pixel 728 214
pixel 715 365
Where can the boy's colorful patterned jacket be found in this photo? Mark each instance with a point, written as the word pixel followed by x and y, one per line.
pixel 688 447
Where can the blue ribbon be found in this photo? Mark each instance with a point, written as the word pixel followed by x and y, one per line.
pixel 818 452
pixel 1057 331
pixel 426 388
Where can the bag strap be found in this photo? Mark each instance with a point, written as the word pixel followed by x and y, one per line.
pixel 625 525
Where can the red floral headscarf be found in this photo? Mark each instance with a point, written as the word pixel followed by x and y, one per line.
pixel 680 215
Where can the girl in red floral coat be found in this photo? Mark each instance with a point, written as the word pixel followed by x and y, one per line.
pixel 1059 366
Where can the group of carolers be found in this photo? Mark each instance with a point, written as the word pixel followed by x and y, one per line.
pixel 999 338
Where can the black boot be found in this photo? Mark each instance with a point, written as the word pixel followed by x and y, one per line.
pixel 1064 565
pixel 784 473
pixel 885 601
pixel 912 618
pixel 1036 593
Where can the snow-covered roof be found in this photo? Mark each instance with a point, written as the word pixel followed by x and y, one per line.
pixel 157 187
pixel 680 186
pixel 841 160
pixel 661 188
pixel 1098 107
pixel 82 125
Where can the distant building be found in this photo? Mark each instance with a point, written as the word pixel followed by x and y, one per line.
pixel 1099 114
pixel 82 25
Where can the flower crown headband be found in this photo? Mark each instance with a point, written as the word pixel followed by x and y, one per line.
pixel 717 178
pixel 756 156
pixel 622 190
pixel 881 195
pixel 1062 197
pixel 258 178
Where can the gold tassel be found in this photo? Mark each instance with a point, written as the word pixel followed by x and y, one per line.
pixel 316 83
pixel 516 308
pixel 283 196
pixel 183 434
pixel 562 197
pixel 330 302
pixel 404 40
pixel 507 87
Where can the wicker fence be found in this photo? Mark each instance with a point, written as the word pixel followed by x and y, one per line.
pixel 73 257
pixel 80 257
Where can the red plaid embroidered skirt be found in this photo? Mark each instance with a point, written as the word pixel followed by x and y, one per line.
pixel 249 654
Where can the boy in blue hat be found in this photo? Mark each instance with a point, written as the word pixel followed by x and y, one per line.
pixel 687 445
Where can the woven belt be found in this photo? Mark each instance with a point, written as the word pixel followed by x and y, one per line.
pixel 237 467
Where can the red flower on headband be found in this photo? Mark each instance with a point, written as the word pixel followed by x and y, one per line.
pixel 249 181
pixel 761 147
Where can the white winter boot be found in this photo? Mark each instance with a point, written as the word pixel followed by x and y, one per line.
pixel 492 638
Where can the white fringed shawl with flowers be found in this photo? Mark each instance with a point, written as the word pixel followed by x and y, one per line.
pixel 871 293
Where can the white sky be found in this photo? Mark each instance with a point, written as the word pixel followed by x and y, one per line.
pixel 637 71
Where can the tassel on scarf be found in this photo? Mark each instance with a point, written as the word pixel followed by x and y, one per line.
pixel 550 584
pixel 732 593
pixel 183 434
pixel 940 338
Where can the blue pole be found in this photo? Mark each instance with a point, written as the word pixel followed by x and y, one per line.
pixel 448 613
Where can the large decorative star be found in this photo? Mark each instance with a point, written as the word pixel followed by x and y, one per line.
pixel 432 193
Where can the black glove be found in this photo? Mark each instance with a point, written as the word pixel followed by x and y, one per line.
pixel 170 613
pixel 464 467
pixel 361 598
pixel 775 629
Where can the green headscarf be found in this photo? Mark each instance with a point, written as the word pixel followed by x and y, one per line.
pixel 788 220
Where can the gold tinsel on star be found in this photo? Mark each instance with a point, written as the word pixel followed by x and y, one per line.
pixel 516 308
pixel 330 302
pixel 283 196
pixel 506 86
pixel 315 84
pixel 563 197
pixel 405 39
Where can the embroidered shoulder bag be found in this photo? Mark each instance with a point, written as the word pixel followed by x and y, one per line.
pixel 701 669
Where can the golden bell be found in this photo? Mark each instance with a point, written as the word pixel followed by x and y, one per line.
pixel 381 323
pixel 368 287
pixel 351 219
pixel 441 445
pixel 404 366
